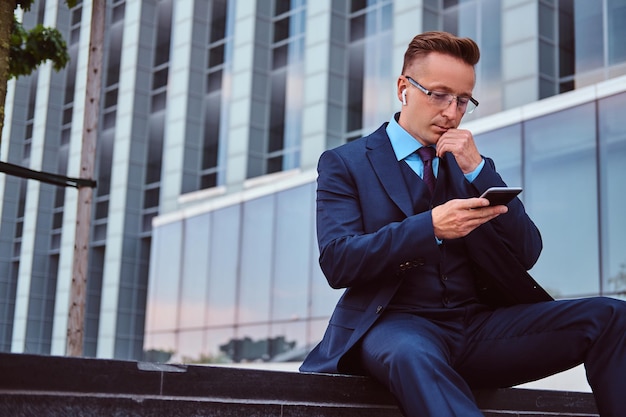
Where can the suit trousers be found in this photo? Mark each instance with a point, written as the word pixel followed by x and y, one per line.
pixel 431 359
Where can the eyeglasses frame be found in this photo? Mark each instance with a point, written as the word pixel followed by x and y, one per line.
pixel 430 93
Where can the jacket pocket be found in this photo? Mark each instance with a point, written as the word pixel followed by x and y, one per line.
pixel 346 316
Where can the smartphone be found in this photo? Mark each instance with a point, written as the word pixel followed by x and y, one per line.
pixel 500 196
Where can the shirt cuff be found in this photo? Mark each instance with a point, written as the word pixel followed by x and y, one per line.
pixel 472 175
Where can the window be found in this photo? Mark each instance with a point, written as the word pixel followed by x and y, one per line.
pixel 561 193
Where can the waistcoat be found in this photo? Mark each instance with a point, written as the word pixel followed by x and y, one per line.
pixel 447 284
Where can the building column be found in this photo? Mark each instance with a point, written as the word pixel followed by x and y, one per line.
pixel 181 85
pixel 317 80
pixel 240 91
pixel 520 52
pixel 30 268
pixel 124 212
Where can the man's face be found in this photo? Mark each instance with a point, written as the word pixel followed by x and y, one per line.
pixel 422 117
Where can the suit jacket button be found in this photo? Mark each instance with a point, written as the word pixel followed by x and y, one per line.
pixel 379 309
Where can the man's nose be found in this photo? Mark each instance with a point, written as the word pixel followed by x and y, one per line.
pixel 452 109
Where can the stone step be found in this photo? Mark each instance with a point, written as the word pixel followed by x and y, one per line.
pixel 33 385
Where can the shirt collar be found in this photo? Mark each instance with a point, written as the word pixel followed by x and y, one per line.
pixel 402 142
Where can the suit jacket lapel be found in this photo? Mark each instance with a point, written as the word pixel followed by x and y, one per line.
pixel 385 165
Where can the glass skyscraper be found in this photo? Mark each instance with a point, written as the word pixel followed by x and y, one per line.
pixel 213 116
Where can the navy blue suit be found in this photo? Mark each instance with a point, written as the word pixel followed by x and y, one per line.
pixel 375 232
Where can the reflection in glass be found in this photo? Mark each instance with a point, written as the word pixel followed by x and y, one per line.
pixel 289 342
pixel 561 193
pixel 504 146
pixel 190 346
pixel 291 262
pixel 215 339
pixel 251 343
pixel 612 132
pixel 160 346
pixel 256 260
pixel 589 49
pixel 616 31
pixel 164 280
pixel 223 253
pixel 194 271
pixel 356 53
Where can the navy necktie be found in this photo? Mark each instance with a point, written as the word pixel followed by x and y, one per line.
pixel 427 153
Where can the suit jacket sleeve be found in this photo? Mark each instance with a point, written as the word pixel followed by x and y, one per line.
pixel 515 228
pixel 363 235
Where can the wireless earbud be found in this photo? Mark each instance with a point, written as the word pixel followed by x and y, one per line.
pixel 404 97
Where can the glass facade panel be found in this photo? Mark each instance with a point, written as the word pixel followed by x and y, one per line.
pixel 287 341
pixel 190 345
pixel 258 287
pixel 547 59
pixel 195 271
pixel 430 20
pixel 160 346
pixel 561 196
pixel 489 87
pixel 481 20
pixel 369 67
pixel 277 112
pixel 357 27
pixel 504 146
pixel 256 260
pixel 223 266
pixel 589 40
pixel 281 139
pixel 547 28
pixel 616 13
pixel 251 343
pixel 451 19
pixel 216 339
pixel 612 196
pixel 566 38
pixel 218 20
pixel 164 24
pixel 467 20
pixel 167 243
pixel 323 298
pixel 218 66
pixel 377 99
pixel 291 273
pixel 354 107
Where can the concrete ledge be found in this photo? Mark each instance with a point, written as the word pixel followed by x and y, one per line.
pixel 55 386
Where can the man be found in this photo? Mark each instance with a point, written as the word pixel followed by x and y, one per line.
pixel 438 300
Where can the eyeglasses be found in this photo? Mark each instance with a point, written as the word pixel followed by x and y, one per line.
pixel 442 100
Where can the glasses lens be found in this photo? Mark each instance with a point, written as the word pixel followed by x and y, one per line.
pixel 441 99
pixel 470 107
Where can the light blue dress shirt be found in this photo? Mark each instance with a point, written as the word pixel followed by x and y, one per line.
pixel 404 146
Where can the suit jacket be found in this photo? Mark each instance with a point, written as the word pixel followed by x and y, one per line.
pixel 370 239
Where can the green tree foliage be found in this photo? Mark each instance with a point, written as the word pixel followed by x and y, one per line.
pixel 22 51
pixel 30 48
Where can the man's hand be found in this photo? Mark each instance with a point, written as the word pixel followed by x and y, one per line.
pixel 457 218
pixel 460 143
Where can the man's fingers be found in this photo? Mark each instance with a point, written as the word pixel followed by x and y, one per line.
pixel 457 218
